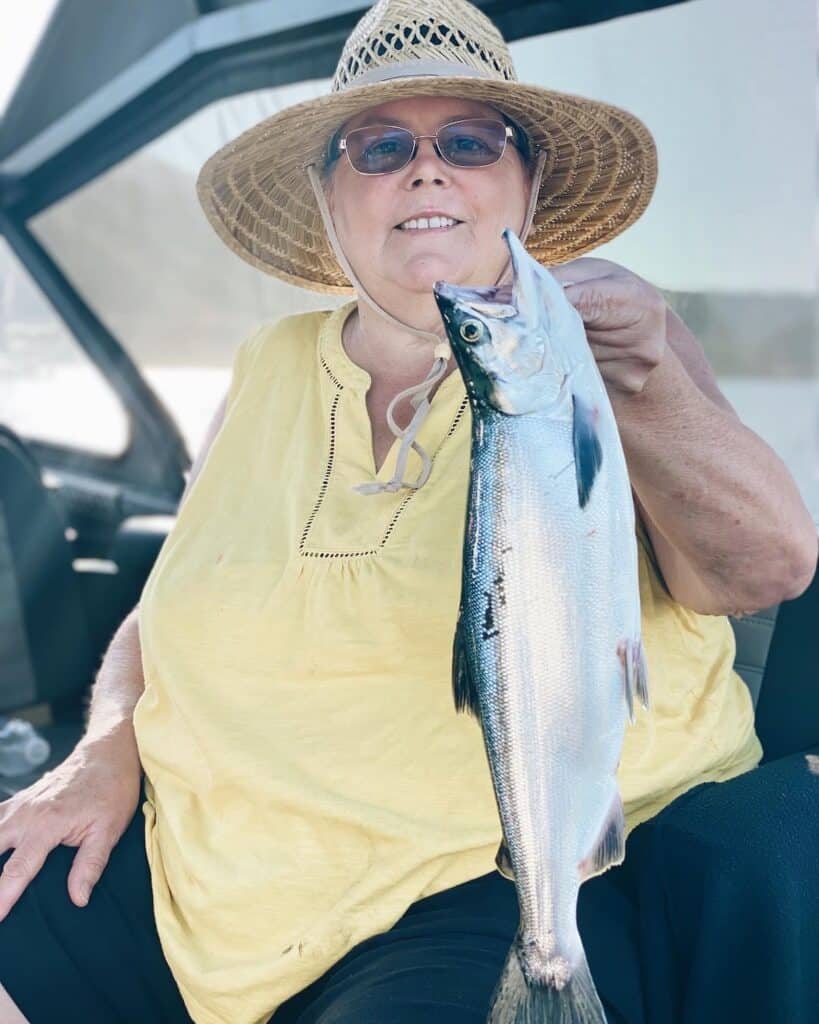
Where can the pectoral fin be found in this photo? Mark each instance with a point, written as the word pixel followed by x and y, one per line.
pixel 588 455
pixel 464 689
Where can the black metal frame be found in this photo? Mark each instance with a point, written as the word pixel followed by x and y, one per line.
pixel 155 454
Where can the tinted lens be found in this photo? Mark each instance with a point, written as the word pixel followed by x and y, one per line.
pixel 378 149
pixel 472 143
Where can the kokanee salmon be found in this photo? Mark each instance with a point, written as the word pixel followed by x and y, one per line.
pixel 547 649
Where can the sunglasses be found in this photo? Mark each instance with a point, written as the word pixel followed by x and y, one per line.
pixel 384 148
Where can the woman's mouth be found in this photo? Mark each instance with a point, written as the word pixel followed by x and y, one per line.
pixel 419 224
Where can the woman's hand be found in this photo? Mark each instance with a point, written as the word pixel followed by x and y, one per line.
pixel 624 317
pixel 87 801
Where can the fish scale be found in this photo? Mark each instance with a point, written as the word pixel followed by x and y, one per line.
pixel 530 528
pixel 547 649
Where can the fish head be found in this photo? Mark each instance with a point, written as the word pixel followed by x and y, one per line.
pixel 503 336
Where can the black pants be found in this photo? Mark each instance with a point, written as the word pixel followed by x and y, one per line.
pixel 712 919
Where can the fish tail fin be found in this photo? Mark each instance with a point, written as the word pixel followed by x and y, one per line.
pixel 518 1001
pixel 635 673
pixel 588 453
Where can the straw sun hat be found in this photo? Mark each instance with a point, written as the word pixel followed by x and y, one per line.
pixel 598 162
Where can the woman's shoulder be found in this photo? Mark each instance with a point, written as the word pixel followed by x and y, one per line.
pixel 290 332
pixel 282 348
pixel 289 342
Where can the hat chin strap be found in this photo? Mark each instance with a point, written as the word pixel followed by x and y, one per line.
pixel 418 393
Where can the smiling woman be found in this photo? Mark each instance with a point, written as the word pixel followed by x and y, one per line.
pixel 388 224
pixel 373 212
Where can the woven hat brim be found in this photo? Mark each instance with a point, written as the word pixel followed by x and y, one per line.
pixel 599 175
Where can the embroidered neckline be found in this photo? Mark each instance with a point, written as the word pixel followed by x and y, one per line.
pixel 344 374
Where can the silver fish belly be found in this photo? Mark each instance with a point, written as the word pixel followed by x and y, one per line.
pixel 547 649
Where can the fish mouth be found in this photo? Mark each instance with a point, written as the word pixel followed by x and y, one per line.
pixel 516 251
pixel 494 295
pixel 490 295
pixel 496 302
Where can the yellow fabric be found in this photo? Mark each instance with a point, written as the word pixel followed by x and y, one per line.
pixel 307 775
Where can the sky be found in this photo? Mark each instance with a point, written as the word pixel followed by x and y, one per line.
pixel 21 25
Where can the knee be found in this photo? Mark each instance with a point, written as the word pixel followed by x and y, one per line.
pixel 730 846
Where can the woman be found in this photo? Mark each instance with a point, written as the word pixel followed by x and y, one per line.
pixel 320 826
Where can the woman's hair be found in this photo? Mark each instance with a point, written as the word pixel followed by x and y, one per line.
pixel 521 142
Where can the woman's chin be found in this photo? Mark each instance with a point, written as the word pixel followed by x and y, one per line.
pixel 419 276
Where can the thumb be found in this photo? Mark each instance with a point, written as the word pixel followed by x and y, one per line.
pixel 89 864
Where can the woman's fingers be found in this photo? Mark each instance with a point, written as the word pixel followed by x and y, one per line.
pixel 19 870
pixel 6 840
pixel 89 864
pixel 86 802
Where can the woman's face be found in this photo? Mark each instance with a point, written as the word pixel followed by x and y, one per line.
pixel 369 209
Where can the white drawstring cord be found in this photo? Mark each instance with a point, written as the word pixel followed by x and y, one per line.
pixel 420 402
pixel 441 353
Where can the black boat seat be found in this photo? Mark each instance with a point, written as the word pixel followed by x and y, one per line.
pixel 46 652
pixel 753 634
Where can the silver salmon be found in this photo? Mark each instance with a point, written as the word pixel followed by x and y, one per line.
pixel 547 650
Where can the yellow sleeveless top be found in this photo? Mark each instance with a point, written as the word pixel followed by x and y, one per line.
pixel 307 775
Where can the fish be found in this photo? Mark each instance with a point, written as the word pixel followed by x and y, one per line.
pixel 547 652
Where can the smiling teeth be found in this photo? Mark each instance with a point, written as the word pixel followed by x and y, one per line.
pixel 428 222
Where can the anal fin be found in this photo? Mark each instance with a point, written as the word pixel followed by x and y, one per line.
pixel 610 846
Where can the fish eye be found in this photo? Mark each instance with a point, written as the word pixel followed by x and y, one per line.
pixel 471 330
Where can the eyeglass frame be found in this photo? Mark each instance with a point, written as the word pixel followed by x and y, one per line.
pixel 340 145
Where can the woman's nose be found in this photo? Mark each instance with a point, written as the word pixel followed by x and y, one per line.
pixel 427 165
